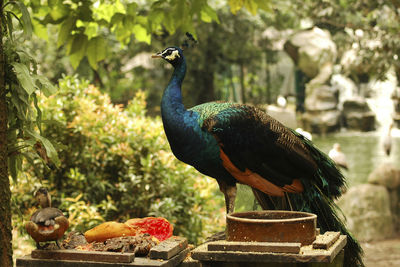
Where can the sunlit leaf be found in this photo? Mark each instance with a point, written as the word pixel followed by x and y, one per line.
pixel 65 30
pixel 40 30
pixel 106 11
pixel 208 14
pixel 91 30
pixel 141 34
pixel 235 5
pixel 251 6
pixel 96 51
pixel 58 10
pixel 131 9
pixel 25 79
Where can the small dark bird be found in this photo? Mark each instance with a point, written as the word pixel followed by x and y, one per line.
pixel 47 223
pixel 236 143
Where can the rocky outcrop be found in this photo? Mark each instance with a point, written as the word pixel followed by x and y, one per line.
pixel 357 115
pixel 321 122
pixel 367 209
pixel 314 53
pixel 388 176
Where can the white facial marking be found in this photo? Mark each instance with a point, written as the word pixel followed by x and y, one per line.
pixel 173 55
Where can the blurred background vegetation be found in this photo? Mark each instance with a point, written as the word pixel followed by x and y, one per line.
pixel 115 162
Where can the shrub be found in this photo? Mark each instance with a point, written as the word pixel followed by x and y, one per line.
pixel 116 164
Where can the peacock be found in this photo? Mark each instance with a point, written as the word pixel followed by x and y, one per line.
pixel 238 143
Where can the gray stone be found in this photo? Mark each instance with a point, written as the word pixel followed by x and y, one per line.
pixel 357 115
pixel 363 122
pixel 367 209
pixel 314 49
pixel 355 105
pixel 386 174
pixel 321 121
pixel 320 97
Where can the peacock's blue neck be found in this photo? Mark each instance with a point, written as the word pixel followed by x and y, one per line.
pixel 171 103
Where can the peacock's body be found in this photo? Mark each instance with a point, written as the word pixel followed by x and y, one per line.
pixel 236 143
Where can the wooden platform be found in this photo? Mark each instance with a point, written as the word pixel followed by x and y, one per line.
pixel 169 253
pixel 223 253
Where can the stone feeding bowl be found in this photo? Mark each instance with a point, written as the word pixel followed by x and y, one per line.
pixel 271 226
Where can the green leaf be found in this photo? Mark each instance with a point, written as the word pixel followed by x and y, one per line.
pixel 58 10
pixel 9 24
pixel 96 51
pixel 78 43
pixel 235 5
pixel 131 9
pixel 78 50
pixel 25 79
pixel 45 85
pixel 264 5
pixel 39 113
pixel 106 11
pixel 155 18
pixel 208 14
pixel 251 6
pixel 14 165
pixel 91 30
pixel 65 30
pixel 50 150
pixel 169 23
pixel 141 34
pixel 26 18
pixel 40 30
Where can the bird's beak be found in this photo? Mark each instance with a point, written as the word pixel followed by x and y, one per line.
pixel 158 55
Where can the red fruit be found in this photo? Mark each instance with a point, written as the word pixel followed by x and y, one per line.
pixel 158 227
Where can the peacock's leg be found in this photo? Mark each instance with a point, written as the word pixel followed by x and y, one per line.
pixel 229 192
pixel 288 201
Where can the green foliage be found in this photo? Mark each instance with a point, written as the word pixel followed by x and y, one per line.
pixel 23 85
pixel 367 28
pixel 116 164
pixel 84 26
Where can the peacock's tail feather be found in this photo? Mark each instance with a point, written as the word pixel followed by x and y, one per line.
pixel 318 198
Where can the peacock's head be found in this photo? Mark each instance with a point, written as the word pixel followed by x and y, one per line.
pixel 173 55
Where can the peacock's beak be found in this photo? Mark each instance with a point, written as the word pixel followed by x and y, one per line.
pixel 158 55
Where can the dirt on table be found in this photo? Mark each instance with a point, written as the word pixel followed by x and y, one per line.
pixel 384 253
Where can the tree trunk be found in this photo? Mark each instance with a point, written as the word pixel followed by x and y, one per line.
pixel 5 194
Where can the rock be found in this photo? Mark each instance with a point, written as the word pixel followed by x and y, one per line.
pixel 395 207
pixel 360 122
pixel 320 97
pixel 311 50
pixel 357 115
pixel 321 121
pixel 387 175
pixel 355 105
pixel 367 209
